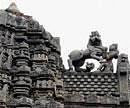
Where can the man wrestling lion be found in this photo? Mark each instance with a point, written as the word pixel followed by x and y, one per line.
pixel 94 50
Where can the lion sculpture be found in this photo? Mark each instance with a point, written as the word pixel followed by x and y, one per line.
pixel 94 50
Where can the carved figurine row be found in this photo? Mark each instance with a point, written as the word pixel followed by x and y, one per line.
pixel 95 50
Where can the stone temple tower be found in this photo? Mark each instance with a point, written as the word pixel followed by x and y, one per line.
pixel 32 74
pixel 30 63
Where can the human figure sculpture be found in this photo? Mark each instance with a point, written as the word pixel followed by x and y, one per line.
pixel 94 50
pixel 106 63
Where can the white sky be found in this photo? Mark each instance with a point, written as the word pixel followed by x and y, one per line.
pixel 73 21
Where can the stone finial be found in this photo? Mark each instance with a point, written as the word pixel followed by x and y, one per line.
pixel 13 8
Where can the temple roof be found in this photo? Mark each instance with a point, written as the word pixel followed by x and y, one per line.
pixel 13 8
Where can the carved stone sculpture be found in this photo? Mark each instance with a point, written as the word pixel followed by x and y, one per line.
pixel 32 73
pixel 94 50
pixel 89 67
pixel 106 63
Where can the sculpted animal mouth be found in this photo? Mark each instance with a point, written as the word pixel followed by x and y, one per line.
pixel 95 41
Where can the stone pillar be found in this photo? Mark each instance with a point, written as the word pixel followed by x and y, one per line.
pixel 3 17
pixel 5 60
pixel 56 65
pixel 59 93
pixel 21 81
pixel 122 71
pixel 43 77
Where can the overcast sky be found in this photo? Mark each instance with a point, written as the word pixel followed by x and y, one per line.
pixel 73 21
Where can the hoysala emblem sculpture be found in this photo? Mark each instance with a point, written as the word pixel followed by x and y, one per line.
pixel 32 74
pixel 95 50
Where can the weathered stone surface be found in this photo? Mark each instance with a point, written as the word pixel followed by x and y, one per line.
pixel 30 63
pixel 32 74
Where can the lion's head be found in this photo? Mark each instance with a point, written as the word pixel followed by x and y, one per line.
pixel 95 39
pixel 123 58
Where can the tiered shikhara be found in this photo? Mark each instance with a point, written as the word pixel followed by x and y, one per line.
pixel 30 63
pixel 32 74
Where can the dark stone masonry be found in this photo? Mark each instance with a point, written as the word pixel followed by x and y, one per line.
pixel 32 74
